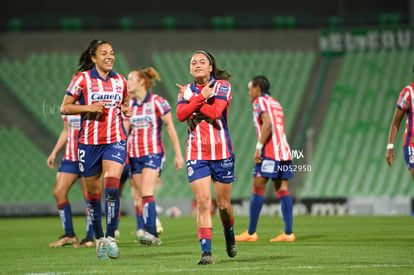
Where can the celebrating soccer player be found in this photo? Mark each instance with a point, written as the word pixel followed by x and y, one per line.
pixel 204 104
pixel 102 94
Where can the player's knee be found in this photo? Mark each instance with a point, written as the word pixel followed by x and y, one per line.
pixel 203 203
pixel 223 204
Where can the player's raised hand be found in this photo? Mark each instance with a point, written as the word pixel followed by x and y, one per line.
pixel 207 90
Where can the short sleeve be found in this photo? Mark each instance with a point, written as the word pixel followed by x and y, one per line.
pixel 162 106
pixel 404 100
pixel 76 86
pixel 222 90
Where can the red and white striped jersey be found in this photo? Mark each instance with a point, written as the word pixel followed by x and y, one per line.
pixel 71 148
pixel 106 127
pixel 406 103
pixel 208 138
pixel 146 126
pixel 276 147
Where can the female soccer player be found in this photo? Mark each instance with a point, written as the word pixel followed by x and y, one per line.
pixel 204 104
pixel 67 175
pixel 272 159
pixel 405 105
pixel 146 151
pixel 102 94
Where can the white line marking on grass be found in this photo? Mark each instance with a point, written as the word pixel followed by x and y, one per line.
pixel 246 268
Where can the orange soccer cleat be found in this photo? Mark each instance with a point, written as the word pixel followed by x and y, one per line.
pixel 284 238
pixel 64 240
pixel 246 237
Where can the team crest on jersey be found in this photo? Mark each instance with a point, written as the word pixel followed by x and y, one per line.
pixel 190 171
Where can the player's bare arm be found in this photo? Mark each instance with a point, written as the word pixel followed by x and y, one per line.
pixel 395 126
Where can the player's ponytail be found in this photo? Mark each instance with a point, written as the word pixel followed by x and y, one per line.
pixel 150 75
pixel 85 60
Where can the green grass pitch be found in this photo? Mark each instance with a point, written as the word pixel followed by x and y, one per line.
pixel 324 245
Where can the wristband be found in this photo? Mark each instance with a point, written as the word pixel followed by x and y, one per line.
pixel 259 146
pixel 390 146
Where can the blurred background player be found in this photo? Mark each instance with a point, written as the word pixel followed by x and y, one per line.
pixel 272 160
pixel 102 96
pixel 67 175
pixel 137 199
pixel 146 147
pixel 405 106
pixel 204 104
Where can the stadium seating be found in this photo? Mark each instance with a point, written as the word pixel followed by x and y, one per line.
pixel 349 156
pixel 288 73
pixel 25 175
pixel 46 77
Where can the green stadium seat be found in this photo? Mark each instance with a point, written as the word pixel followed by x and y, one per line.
pixel 125 23
pixel 223 22
pixel 284 22
pixel 71 23
pixel 169 23
pixel 15 25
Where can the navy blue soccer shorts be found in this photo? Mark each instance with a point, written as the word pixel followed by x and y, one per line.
pixel 270 168
pixel 219 170
pixel 68 166
pixel 90 156
pixel 152 161
pixel 409 156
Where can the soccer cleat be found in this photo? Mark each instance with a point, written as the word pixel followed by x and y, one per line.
pixel 64 240
pixel 101 248
pixel 284 238
pixel 139 235
pixel 160 229
pixel 112 247
pixel 150 240
pixel 87 242
pixel 231 247
pixel 246 237
pixel 206 258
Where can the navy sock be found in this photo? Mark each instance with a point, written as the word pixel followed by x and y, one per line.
pixel 89 227
pixel 256 203
pixel 93 205
pixel 65 213
pixel 286 206
pixel 149 215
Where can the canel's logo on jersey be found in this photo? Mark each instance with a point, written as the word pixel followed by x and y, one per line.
pixel 141 119
pixel 106 96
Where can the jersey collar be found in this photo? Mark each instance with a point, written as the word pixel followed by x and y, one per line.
pixel 146 99
pixel 193 86
pixel 95 74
